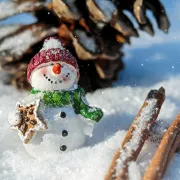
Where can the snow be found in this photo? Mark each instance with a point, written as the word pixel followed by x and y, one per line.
pixel 134 171
pixel 107 7
pixel 120 106
pixel 87 41
pixel 9 8
pixel 8 29
pixel 23 41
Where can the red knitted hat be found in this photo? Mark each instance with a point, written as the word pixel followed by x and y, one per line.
pixel 52 50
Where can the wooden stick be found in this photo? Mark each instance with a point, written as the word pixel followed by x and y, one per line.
pixel 165 152
pixel 136 135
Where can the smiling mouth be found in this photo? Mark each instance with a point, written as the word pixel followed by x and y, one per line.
pixel 55 82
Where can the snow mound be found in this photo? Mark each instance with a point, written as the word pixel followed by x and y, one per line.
pixel 120 106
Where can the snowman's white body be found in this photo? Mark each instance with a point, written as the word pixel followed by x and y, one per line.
pixel 52 140
pixel 62 133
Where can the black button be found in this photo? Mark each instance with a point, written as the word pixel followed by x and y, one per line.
pixel 64 133
pixel 63 114
pixel 63 148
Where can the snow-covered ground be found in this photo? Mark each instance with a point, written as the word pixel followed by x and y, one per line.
pixel 150 63
pixel 120 105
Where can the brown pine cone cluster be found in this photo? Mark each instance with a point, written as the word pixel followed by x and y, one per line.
pixel 94 30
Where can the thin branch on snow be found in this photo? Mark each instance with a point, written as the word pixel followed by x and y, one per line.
pixel 136 135
pixel 165 152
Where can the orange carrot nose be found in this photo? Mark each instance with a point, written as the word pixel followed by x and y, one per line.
pixel 56 68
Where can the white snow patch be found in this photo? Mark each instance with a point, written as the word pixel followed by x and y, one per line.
pixel 23 41
pixel 88 42
pixel 134 172
pixel 120 106
pixel 8 29
pixel 8 8
pixel 107 7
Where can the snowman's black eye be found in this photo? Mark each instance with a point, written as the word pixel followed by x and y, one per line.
pixel 52 64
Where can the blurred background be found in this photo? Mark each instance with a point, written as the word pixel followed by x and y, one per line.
pixel 137 46
pixel 149 60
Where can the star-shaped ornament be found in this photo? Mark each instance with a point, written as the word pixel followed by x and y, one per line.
pixel 28 120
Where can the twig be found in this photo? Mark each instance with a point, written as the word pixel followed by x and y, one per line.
pixel 165 152
pixel 136 135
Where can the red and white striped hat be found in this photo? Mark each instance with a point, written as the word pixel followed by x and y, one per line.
pixel 53 50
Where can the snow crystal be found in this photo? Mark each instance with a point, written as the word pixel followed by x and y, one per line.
pixel 88 42
pixel 8 29
pixel 107 7
pixel 52 43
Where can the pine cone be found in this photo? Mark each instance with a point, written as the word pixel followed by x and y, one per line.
pixel 94 30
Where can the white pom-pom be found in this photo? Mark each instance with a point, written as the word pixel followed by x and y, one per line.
pixel 52 43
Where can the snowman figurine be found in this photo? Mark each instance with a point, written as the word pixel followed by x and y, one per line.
pixel 55 117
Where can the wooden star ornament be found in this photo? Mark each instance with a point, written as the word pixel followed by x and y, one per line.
pixel 28 121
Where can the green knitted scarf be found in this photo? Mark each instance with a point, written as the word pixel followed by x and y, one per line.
pixel 70 98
